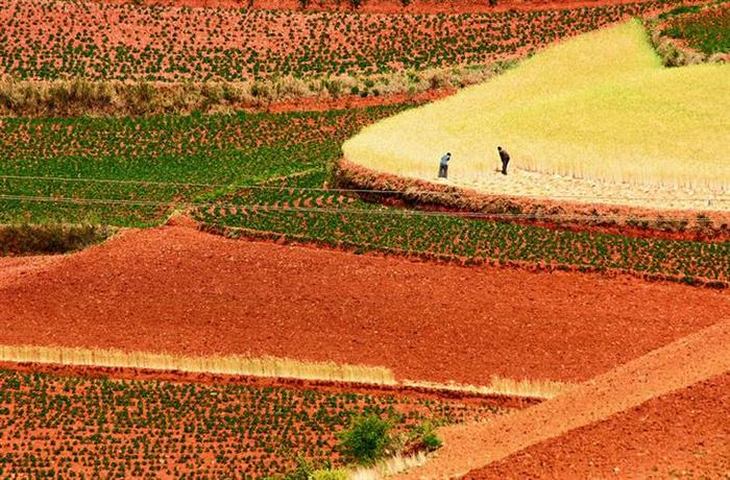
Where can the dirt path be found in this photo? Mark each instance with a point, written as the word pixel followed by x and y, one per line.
pixel 682 434
pixel 177 290
pixel 683 363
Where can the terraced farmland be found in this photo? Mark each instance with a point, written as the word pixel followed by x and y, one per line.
pixel 380 313
pixel 267 175
pixel 133 171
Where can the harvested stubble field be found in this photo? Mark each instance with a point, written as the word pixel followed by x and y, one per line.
pixel 176 290
pixel 46 39
pixel 83 424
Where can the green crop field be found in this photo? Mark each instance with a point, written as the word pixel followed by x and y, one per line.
pixel 133 171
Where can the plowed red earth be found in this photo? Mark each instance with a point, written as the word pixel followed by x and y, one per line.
pixel 177 290
pixel 639 384
pixel 683 434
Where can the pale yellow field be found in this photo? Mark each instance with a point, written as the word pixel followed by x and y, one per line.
pixel 599 107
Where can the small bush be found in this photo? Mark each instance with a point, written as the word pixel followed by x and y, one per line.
pixel 339 474
pixel 367 440
pixel 427 438
pixel 304 471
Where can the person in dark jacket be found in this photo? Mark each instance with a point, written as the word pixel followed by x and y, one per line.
pixel 444 166
pixel 504 156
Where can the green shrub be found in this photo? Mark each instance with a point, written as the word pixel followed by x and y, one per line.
pixel 304 471
pixel 339 474
pixel 426 437
pixel 679 11
pixel 367 440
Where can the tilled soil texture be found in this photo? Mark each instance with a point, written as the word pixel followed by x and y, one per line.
pixel 683 434
pixel 177 290
pixel 696 358
pixel 49 39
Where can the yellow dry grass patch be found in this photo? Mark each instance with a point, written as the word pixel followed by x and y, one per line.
pixel 599 107
pixel 225 365
pixel 269 367
pixel 388 467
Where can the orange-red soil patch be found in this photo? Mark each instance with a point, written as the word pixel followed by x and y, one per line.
pixel 682 434
pixel 13 269
pixel 177 290
pixel 688 361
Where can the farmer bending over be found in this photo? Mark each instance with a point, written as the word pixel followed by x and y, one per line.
pixel 504 156
pixel 444 166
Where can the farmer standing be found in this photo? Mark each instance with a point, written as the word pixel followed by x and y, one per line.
pixel 504 156
pixel 444 166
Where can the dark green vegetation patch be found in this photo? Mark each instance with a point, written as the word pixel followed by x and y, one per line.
pixel 704 29
pixel 49 238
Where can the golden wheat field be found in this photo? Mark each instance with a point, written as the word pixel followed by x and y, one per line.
pixel 599 107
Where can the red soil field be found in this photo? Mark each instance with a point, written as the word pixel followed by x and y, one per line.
pixel 52 425
pixel 385 6
pixel 685 434
pixel 651 392
pixel 177 290
pixel 45 39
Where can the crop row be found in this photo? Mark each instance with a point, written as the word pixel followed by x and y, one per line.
pixel 77 426
pixel 192 158
pixel 48 39
pixel 356 225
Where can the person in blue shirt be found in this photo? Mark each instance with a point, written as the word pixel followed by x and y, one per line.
pixel 444 166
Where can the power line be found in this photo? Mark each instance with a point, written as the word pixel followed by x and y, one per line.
pixel 722 198
pixel 257 208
